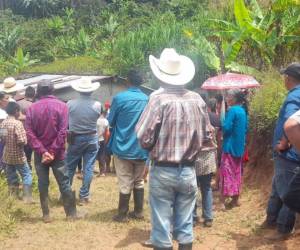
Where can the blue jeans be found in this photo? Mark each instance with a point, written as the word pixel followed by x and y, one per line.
pixel 292 197
pixel 23 170
pixel 59 171
pixel 204 182
pixel 86 147
pixel 172 196
pixel 277 211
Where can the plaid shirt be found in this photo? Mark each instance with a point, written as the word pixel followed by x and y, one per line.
pixel 14 136
pixel 174 126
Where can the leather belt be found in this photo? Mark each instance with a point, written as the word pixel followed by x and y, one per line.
pixel 173 165
pixel 87 133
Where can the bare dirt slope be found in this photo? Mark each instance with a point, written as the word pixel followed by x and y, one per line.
pixel 233 229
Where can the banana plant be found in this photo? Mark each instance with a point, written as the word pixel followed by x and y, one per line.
pixel 84 42
pixel 20 61
pixel 263 33
pixel 55 25
pixel 9 41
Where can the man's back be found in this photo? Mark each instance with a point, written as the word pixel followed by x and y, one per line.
pixel 46 122
pixel 15 139
pixel 125 112
pixel 83 114
pixel 176 121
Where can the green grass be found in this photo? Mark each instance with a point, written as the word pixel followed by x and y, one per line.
pixel 8 210
pixel 74 65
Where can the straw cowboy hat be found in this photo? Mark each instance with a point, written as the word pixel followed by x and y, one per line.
pixel 172 68
pixel 10 85
pixel 85 85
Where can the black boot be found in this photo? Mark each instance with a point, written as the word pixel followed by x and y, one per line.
pixel 138 196
pixel 123 208
pixel 163 248
pixel 188 246
pixel 69 201
pixel 45 207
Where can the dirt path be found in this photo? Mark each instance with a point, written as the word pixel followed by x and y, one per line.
pixel 233 229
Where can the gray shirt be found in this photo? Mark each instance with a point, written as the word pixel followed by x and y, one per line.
pixel 83 114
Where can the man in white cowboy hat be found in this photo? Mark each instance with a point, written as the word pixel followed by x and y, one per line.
pixel 10 87
pixel 129 157
pixel 83 140
pixel 173 127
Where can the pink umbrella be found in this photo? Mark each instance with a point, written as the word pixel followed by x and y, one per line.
pixel 230 81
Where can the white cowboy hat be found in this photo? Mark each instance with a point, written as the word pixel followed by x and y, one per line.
pixel 10 85
pixel 172 68
pixel 85 85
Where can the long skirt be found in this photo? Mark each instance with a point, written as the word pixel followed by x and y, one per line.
pixel 230 175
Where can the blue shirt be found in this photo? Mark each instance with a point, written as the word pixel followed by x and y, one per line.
pixel 125 111
pixel 289 107
pixel 234 131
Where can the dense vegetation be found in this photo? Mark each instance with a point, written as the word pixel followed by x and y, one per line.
pixel 109 37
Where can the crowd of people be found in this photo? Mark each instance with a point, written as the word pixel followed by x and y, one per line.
pixel 175 135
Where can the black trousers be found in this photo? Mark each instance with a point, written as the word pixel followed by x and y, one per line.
pixel 60 173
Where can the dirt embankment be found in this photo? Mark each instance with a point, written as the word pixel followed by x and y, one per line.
pixel 259 170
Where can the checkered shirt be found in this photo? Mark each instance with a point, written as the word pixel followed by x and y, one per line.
pixel 14 136
pixel 206 162
pixel 174 126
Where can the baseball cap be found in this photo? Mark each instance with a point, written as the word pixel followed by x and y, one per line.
pixel 292 70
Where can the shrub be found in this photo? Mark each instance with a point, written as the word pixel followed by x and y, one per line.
pixel 74 65
pixel 265 104
pixel 130 49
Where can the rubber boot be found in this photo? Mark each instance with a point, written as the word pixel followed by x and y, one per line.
pixel 45 207
pixel 138 196
pixel 123 208
pixel 69 202
pixel 188 246
pixel 27 194
pixel 14 191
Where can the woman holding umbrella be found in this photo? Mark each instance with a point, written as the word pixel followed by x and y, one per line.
pixel 234 140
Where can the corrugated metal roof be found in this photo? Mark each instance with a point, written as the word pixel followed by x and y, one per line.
pixel 60 81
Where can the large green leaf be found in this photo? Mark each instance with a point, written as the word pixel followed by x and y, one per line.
pixel 236 67
pixel 233 49
pixel 241 13
pixel 207 52
pixel 256 9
